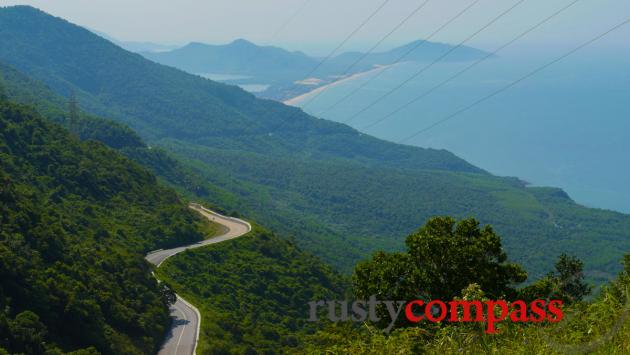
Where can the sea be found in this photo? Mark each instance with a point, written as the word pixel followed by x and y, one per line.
pixel 565 124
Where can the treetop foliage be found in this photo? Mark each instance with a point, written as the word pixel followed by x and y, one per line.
pixel 75 221
pixel 345 194
pixel 442 258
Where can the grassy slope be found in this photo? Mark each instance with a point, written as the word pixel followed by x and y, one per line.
pixel 321 181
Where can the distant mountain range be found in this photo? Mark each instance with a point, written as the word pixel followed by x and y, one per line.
pixel 266 63
pixel 249 63
pixel 341 193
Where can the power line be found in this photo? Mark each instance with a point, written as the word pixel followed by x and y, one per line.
pixel 362 57
pixel 515 82
pixel 425 68
pixel 400 58
pixel 290 19
pixel 357 29
pixel 490 55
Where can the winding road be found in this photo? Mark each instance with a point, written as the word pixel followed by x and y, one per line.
pixel 184 334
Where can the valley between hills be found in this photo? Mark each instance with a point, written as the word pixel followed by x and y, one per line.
pixel 114 163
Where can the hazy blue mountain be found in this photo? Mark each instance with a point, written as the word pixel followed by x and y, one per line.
pixel 342 194
pixel 247 63
pixel 161 102
pixel 416 51
pixel 243 58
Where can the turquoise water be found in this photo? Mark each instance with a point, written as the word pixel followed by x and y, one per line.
pixel 568 126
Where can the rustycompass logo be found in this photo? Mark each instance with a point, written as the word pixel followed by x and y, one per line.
pixel 563 312
pixel 490 312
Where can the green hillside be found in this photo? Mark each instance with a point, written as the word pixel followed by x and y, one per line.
pixel 20 88
pixel 254 298
pixel 164 103
pixel 76 221
pixel 342 194
pixel 102 236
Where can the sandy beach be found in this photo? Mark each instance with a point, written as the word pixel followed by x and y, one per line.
pixel 295 101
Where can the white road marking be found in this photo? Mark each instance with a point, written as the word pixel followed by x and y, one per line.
pixel 235 228
pixel 182 333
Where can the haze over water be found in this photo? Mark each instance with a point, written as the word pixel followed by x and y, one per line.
pixel 568 126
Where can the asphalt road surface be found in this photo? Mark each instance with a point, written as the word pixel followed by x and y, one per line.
pixel 184 334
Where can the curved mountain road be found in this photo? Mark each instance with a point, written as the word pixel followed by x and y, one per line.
pixel 184 334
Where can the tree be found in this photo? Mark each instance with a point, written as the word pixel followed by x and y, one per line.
pixel 442 259
pixel 27 333
pixel 620 288
pixel 565 283
pixel 570 276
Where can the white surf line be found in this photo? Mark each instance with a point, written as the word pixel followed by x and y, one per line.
pixel 216 217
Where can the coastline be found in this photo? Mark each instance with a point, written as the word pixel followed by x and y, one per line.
pixel 295 101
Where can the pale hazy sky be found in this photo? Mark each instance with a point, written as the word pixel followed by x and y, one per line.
pixel 324 23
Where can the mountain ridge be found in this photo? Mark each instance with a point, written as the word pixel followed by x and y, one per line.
pixel 73 176
pixel 343 194
pixel 282 70
pixel 76 218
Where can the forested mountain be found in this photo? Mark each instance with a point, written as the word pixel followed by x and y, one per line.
pixel 19 88
pixel 273 281
pixel 341 193
pixel 76 221
pixel 264 63
pixel 274 64
pixel 248 63
pixel 165 103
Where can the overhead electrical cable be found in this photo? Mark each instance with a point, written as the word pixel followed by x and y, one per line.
pixel 437 60
pixel 345 40
pixel 371 50
pixel 290 19
pixel 354 32
pixel 472 65
pixel 515 82
pixel 412 49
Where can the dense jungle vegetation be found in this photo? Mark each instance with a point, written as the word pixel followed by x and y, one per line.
pixel 341 193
